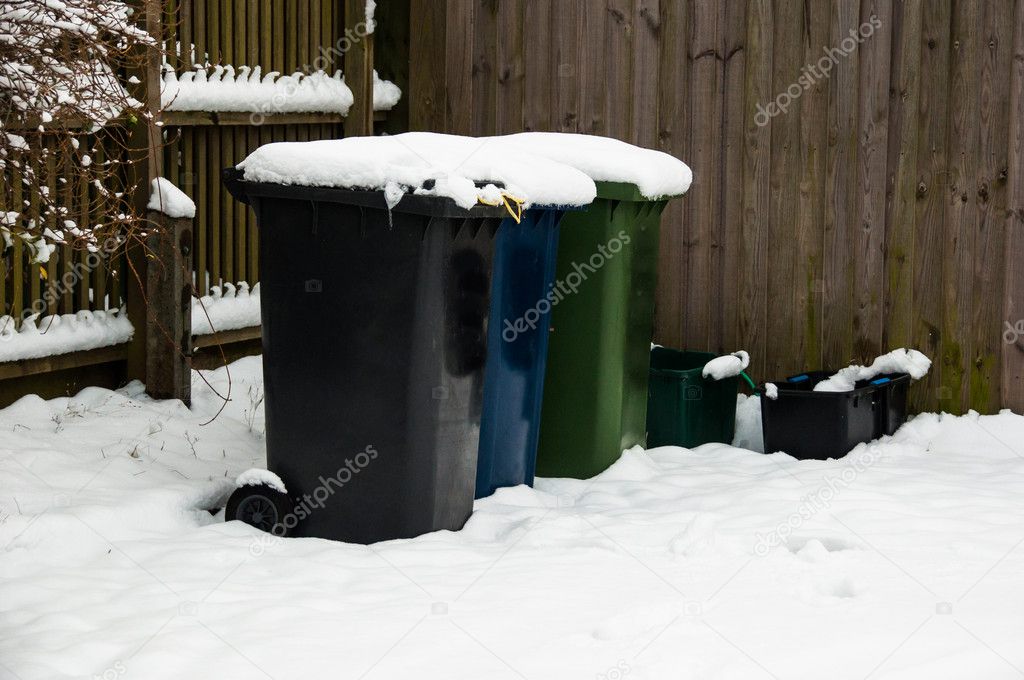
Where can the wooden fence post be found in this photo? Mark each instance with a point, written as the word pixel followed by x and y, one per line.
pixel 359 69
pixel 169 312
pixel 146 147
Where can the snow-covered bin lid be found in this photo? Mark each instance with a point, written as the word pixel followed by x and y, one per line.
pixel 654 173
pixel 467 170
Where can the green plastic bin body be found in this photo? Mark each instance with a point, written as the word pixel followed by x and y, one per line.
pixel 595 389
pixel 684 408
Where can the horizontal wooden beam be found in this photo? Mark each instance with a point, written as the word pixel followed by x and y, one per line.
pixel 228 337
pixel 60 362
pixel 229 118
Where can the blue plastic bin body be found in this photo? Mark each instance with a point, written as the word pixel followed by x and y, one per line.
pixel 517 348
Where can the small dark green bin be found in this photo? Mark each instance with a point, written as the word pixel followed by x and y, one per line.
pixel 683 407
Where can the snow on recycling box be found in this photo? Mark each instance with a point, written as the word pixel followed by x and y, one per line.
pixel 380 250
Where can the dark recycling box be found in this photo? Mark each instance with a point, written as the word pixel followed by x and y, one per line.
pixel 820 425
pixel 374 344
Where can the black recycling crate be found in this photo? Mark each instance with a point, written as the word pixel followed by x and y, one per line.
pixel 374 346
pixel 893 411
pixel 821 425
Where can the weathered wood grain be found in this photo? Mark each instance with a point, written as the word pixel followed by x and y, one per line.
pixel 703 209
pixel 900 246
pixel 757 167
pixel 841 206
pixel 673 138
pixel 1013 344
pixel 961 205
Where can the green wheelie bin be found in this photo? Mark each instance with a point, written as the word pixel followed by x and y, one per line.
pixel 602 317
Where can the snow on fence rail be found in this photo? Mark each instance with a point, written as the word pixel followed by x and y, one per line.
pixel 62 334
pixel 226 308
pixel 249 90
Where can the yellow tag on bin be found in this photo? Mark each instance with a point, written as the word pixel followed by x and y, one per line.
pixel 513 205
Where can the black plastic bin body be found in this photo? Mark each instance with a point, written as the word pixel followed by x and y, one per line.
pixel 893 411
pixel 374 345
pixel 821 425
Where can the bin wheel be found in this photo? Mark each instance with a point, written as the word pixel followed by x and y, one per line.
pixel 260 506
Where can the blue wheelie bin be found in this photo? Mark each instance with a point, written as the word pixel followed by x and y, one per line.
pixel 522 277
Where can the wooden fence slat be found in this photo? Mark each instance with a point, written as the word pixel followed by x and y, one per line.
pixel 509 76
pixel 484 74
pixel 292 38
pixel 214 221
pixel 8 177
pixel 67 254
pixel 809 244
pixel 17 251
pixel 869 238
pixel 252 34
pixel 900 246
pixel 961 205
pixel 593 66
pixel 252 255
pixel 227 211
pixel 784 183
pixel 459 95
pixel 703 209
pixel 619 41
pixel 1013 344
pixel 302 39
pixel 185 32
pixel 995 47
pixel 240 211
pixel 757 167
pixel 213 38
pixel 329 35
pixel 840 196
pixel 84 216
pixel 265 35
pixel 200 18
pixel 673 138
pixel 51 292
pixel 726 337
pixel 930 212
pixel 565 68
pixel 647 37
pixel 35 207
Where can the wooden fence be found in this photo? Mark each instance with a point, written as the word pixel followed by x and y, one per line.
pixel 278 35
pixel 883 208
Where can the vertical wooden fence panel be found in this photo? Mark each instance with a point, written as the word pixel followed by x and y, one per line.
pixel 757 167
pixel 673 138
pixel 900 246
pixel 702 214
pixel 784 183
pixel 840 220
pixel 1013 341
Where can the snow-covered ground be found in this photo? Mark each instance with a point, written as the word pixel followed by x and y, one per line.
pixel 902 560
